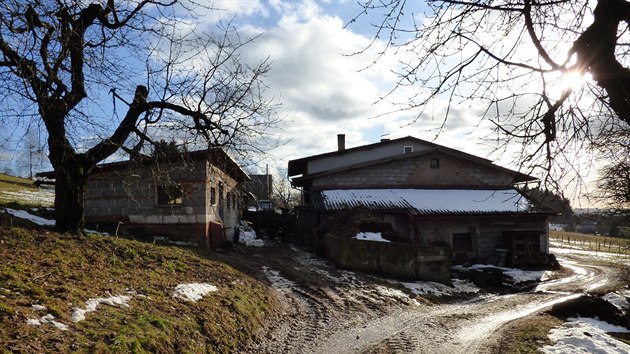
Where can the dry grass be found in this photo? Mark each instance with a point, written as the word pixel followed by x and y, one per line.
pixel 24 191
pixel 61 272
pixel 526 335
pixel 592 242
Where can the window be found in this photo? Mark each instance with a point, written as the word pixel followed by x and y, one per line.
pixel 435 163
pixel 229 200
pixel 408 149
pixel 169 195
pixel 213 196
pixel 462 242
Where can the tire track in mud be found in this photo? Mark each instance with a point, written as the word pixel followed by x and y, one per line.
pixel 465 327
pixel 326 310
pixel 318 301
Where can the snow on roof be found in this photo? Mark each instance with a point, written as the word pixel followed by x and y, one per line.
pixel 426 201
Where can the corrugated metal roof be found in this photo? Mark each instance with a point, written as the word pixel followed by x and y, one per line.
pixel 425 201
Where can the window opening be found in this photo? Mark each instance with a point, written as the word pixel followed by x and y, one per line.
pixel 170 195
pixel 462 242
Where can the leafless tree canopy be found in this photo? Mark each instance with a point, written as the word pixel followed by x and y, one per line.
pixel 513 57
pixel 106 75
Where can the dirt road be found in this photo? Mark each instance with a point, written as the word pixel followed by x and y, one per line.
pixel 326 310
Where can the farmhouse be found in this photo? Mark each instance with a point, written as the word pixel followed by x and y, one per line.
pixel 191 197
pixel 430 194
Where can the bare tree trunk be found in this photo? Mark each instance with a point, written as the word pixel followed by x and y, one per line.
pixel 70 189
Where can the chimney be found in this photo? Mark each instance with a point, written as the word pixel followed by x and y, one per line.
pixel 341 142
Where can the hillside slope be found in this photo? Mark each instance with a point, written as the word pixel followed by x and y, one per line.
pixel 24 191
pixel 101 294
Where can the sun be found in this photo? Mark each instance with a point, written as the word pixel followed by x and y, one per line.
pixel 574 80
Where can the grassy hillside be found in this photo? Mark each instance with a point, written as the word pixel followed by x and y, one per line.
pixel 43 274
pixel 23 191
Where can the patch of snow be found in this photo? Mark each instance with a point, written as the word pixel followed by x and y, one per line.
pixel 516 275
pixel 619 299
pixel 23 214
pixel 396 294
pixel 47 319
pixel 521 276
pixel 370 236
pixel 277 281
pixel 90 305
pixel 560 248
pixel 42 196
pixel 586 335
pixel 194 291
pixel 439 289
pixel 248 237
pixel 38 307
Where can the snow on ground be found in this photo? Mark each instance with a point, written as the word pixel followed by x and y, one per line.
pixel 396 294
pixel 277 281
pixel 42 196
pixel 516 275
pixel 23 214
pixel 586 335
pixel 90 305
pixel 560 248
pixel 620 299
pixel 370 236
pixel 439 289
pixel 248 237
pixel 193 291
pixel 47 319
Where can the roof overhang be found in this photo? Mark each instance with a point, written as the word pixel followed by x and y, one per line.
pixel 428 201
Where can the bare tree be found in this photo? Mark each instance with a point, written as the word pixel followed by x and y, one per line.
pixel 516 58
pixel 614 178
pixel 283 194
pixel 31 154
pixel 107 75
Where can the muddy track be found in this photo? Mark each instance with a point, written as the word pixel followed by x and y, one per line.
pixel 325 310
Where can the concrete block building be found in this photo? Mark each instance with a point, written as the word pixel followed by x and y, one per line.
pixel 431 194
pixel 192 197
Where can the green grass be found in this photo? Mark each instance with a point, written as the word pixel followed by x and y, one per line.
pixel 11 183
pixel 592 242
pixel 62 272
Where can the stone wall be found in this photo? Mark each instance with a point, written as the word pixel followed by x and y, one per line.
pixel 392 259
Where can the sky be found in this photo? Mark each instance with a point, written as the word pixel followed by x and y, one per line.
pixel 326 76
pixel 324 89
